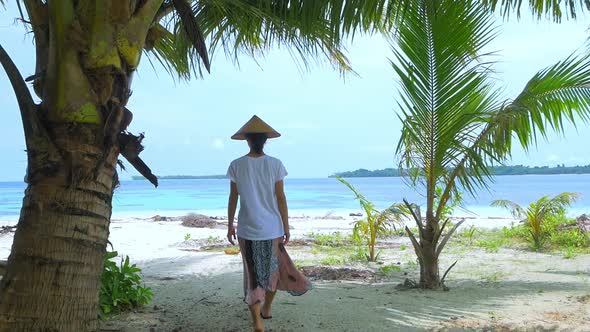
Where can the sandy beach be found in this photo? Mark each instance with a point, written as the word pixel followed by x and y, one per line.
pixel 197 287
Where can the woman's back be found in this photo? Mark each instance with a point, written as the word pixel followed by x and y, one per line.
pixel 259 217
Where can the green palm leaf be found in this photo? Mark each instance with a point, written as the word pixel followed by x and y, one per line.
pixel 540 8
pixel 310 30
pixel 516 210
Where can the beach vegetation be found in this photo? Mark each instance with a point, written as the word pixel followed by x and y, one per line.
pixel 456 125
pixel 121 288
pixel 491 245
pixel 187 236
pixel 359 254
pixel 570 252
pixel 333 261
pixel 334 239
pixel 537 217
pixel 389 269
pixel 468 234
pixel 375 222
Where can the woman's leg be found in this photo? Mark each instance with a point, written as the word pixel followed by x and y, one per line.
pixel 267 307
pixel 256 319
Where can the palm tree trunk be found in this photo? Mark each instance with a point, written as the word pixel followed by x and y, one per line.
pixel 73 139
pixel 429 272
pixel 52 279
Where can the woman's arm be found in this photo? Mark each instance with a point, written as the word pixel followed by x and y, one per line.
pixel 282 202
pixel 232 204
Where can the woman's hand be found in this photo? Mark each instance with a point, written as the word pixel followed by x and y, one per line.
pixel 231 234
pixel 286 238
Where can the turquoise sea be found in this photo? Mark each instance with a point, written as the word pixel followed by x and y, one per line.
pixel 317 196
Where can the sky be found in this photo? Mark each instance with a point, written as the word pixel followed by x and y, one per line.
pixel 328 123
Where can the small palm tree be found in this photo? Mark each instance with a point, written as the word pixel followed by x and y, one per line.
pixel 375 223
pixel 537 212
pixel 455 125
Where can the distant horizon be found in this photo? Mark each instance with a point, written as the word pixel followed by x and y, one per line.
pixel 222 176
pixel 126 176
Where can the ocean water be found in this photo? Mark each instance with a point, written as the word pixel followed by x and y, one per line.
pixel 315 196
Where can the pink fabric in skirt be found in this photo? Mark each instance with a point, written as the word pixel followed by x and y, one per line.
pixel 268 267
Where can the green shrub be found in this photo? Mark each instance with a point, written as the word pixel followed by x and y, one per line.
pixel 120 289
pixel 516 231
pixel 333 260
pixel 491 246
pixel 187 236
pixel 360 254
pixel 468 234
pixel 403 247
pixel 569 238
pixel 388 269
pixel 570 252
pixel 331 240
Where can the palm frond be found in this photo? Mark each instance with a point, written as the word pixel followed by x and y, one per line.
pixel 558 203
pixel 310 30
pixel 554 95
pixel 516 210
pixel 192 30
pixel 367 205
pixel 550 9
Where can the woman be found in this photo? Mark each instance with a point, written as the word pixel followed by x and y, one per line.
pixel 263 223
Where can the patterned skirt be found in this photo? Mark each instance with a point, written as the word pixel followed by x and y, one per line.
pixel 268 267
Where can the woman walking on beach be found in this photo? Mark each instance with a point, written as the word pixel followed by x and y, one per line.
pixel 263 223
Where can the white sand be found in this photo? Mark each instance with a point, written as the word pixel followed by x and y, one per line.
pixel 201 291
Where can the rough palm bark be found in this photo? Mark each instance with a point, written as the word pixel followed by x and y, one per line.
pixel 53 274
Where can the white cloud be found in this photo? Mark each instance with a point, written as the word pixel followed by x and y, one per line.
pixel 553 157
pixel 218 144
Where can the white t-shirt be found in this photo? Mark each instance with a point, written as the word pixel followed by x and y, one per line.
pixel 259 217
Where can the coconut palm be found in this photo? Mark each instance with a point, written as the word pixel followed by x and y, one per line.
pixel 375 222
pixel 455 125
pixel 537 212
pixel 86 54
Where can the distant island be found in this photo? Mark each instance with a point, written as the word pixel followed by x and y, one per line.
pixel 498 170
pixel 183 177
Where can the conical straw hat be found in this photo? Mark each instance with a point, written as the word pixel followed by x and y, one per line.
pixel 255 126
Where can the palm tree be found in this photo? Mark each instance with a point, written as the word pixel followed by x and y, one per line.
pixel 455 125
pixel 536 213
pixel 375 222
pixel 86 54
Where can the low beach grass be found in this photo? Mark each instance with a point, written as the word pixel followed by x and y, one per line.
pixel 559 237
pixel 559 234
